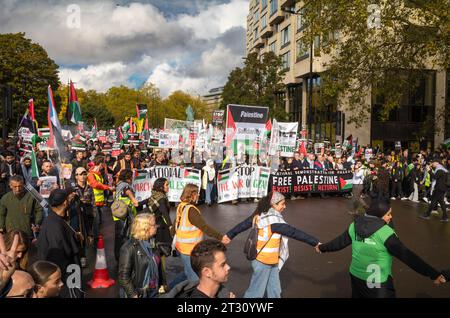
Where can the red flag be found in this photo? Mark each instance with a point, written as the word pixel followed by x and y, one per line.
pixel 132 127
pixel 268 125
pixel 231 129
pixel 146 123
pixel 302 149
pixel 31 109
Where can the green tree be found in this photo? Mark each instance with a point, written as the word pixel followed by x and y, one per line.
pixel 121 102
pixel 149 94
pixel 27 67
pixel 92 109
pixel 257 83
pixel 175 106
pixel 380 47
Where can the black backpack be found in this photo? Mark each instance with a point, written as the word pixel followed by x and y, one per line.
pixel 250 250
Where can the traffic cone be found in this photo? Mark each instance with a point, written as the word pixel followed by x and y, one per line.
pixel 101 276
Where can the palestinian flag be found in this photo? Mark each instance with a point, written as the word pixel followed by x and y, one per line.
pixel 146 131
pixel 223 175
pixel 191 175
pixel 231 129
pixel 73 113
pixel 140 175
pixel 34 166
pixel 78 144
pixel 94 130
pixel 56 140
pixel 345 184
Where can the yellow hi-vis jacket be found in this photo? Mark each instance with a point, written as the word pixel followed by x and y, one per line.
pixel 99 195
pixel 268 246
pixel 187 234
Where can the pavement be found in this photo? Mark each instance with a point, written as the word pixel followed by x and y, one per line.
pixel 306 273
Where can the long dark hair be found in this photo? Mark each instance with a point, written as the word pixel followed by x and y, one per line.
pixel 159 185
pixel 263 204
pixel 41 271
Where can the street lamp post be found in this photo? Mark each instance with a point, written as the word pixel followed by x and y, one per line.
pixel 310 77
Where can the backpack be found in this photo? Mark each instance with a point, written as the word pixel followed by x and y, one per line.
pixel 119 209
pixel 250 249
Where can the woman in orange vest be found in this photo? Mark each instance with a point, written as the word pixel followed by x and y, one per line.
pixel 272 245
pixel 190 228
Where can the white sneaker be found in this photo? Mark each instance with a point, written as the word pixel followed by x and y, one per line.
pixel 416 201
pixel 256 200
pixel 435 212
pixel 403 199
pixel 393 198
pixel 426 200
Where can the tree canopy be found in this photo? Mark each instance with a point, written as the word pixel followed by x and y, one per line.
pixel 380 46
pixel 256 84
pixel 27 68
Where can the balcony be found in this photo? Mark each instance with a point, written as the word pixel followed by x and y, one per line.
pixel 267 32
pixel 287 3
pixel 277 17
pixel 259 43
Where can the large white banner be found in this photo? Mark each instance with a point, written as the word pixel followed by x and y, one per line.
pixel 283 139
pixel 178 178
pixel 243 182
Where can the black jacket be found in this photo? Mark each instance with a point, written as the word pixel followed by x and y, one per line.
pixel 365 226
pixel 57 243
pixel 186 289
pixel 441 177
pixel 133 264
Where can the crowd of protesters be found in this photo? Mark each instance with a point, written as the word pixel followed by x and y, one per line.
pixel 63 231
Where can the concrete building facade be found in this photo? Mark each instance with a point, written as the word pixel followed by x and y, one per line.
pixel 269 28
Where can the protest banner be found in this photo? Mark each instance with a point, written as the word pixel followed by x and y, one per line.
pixel 217 117
pixel 102 136
pixel 312 181
pixel 244 124
pixel 283 139
pixel 168 140
pixel 368 153
pixel 66 171
pixel 178 178
pixel 47 186
pixel 116 150
pixel 142 185
pixel 245 181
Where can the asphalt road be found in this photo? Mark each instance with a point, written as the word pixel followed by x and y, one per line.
pixel 307 274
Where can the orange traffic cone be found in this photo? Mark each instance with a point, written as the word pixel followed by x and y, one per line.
pixel 101 276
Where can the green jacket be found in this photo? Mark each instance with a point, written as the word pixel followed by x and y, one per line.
pixel 19 214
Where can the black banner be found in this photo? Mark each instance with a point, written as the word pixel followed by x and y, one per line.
pixel 312 181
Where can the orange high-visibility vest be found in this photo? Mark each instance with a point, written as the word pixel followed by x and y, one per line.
pixel 269 242
pixel 187 234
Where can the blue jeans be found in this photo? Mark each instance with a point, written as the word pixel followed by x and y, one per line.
pixel 188 271
pixel 265 280
pixel 208 192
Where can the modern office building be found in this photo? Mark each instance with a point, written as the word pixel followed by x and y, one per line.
pixel 213 98
pixel 269 28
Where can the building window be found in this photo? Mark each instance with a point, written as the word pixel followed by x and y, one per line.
pixel 273 7
pixel 302 50
pixel 285 40
pixel 301 23
pixel 264 21
pixel 263 4
pixel 273 47
pixel 295 103
pixel 256 16
pixel 285 59
pixel 255 34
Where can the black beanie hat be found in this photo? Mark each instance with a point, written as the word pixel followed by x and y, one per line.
pixel 379 206
pixel 57 197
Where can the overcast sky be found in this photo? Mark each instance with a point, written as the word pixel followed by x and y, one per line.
pixel 190 45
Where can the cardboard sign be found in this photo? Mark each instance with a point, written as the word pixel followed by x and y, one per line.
pixel 47 186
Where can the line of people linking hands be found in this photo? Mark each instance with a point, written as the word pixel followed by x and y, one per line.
pixel 146 243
